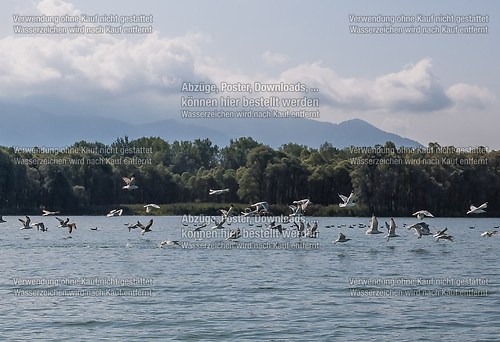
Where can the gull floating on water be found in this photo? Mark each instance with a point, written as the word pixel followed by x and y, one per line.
pixel 347 201
pixel 129 183
pixel 26 223
pixel 115 212
pixel 341 238
pixel 149 207
pixel 489 233
pixel 421 228
pixel 217 192
pixel 422 213
pixel 49 213
pixel 373 226
pixel 478 210
pixel 169 243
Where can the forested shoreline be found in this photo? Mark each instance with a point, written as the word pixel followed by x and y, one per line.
pixel 87 177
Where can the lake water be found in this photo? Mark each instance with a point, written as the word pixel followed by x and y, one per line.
pixel 118 285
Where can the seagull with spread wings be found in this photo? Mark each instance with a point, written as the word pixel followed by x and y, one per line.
pixel 129 183
pixel 477 210
pixel 145 228
pixel 347 202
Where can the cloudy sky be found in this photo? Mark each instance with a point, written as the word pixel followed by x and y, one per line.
pixel 428 87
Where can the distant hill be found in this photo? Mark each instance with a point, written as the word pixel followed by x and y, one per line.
pixel 28 126
pixel 276 132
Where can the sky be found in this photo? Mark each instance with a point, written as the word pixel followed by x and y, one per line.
pixel 428 87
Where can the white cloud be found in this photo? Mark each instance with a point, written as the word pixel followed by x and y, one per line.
pixel 412 89
pixel 96 63
pixel 274 58
pixel 81 65
pixel 470 96
pixel 57 7
pixel 76 65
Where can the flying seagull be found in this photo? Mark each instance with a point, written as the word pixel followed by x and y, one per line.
pixel 149 207
pixel 199 228
pixel 278 227
pixel 478 210
pixel 235 234
pixel 71 226
pixel 296 210
pixel 421 228
pixel 421 214
pixel 347 201
pixel 217 192
pixel 39 226
pixel 312 232
pixel 218 224
pixel 62 223
pixel 129 183
pixel 301 227
pixel 391 228
pixel 373 226
pixel 49 213
pixel 299 207
pixel 444 236
pixel 261 208
pixel 26 223
pixel 248 212
pixel 227 213
pixel 115 212
pixel 145 228
pixel 440 232
pixel 132 225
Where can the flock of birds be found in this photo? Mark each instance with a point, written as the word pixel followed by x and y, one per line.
pixel 421 228
pixel 298 209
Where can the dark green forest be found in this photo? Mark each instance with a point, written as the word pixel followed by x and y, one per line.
pixel 385 179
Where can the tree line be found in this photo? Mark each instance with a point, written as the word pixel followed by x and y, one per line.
pixel 385 179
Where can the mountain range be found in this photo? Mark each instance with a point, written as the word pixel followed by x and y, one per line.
pixel 26 126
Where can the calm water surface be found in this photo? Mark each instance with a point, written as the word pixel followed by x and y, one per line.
pixel 112 284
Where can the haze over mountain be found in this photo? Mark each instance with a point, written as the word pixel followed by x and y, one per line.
pixel 29 126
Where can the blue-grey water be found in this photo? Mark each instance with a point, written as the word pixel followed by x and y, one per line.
pixel 116 285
